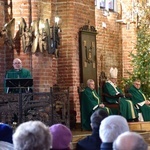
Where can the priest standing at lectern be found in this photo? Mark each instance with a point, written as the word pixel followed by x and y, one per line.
pixel 17 72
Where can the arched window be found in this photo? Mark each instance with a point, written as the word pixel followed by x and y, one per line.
pixel 108 5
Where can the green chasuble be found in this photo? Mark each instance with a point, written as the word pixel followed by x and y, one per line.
pixel 138 97
pixel 16 74
pixel 90 101
pixel 127 108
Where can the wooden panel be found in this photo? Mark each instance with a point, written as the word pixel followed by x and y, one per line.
pixel 88 62
pixel 139 126
pixel 134 127
pixel 146 126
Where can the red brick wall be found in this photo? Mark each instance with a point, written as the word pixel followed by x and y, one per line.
pixel 128 42
pixel 109 51
pixel 42 65
pixel 5 16
pixel 113 43
pixel 74 14
pixel 2 48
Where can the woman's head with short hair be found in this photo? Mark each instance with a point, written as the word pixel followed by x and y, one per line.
pixel 32 135
pixel 62 137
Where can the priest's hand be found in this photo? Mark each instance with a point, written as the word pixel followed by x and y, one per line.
pixel 147 102
pixel 120 95
pixel 101 105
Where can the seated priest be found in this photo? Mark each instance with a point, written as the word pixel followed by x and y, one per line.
pixel 90 101
pixel 17 72
pixel 110 88
pixel 139 99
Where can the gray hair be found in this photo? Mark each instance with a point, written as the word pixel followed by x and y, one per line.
pixel 130 141
pixel 111 127
pixel 32 135
pixel 89 81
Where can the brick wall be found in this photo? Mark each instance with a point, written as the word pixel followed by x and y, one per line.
pixel 74 15
pixel 128 37
pixel 128 42
pixel 2 48
pixel 42 65
pixel 109 51
pixel 113 43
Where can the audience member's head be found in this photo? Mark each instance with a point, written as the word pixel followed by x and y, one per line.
pixel 111 127
pixel 97 117
pixel 62 137
pixel 91 84
pixel 6 133
pixel 32 135
pixel 130 141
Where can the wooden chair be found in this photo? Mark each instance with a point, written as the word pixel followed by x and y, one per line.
pixel 126 91
pixel 102 80
pixel 80 90
pixel 128 95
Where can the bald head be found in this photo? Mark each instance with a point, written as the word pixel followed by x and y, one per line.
pixel 130 141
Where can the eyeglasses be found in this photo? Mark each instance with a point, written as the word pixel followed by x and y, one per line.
pixel 17 63
pixel 92 84
pixel 137 84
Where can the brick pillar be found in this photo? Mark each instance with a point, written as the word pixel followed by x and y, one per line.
pixel 2 47
pixel 73 15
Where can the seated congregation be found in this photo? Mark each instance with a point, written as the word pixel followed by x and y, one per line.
pixel 35 135
pixel 108 133
pixel 111 98
pixel 111 133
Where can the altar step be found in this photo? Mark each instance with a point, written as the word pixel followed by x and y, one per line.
pixel 139 126
pixel 143 128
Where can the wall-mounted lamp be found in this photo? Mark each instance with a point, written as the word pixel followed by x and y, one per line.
pixel 57 20
pixel 55 36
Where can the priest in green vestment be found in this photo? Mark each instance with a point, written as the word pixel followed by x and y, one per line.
pixel 138 98
pixel 90 101
pixel 127 108
pixel 17 72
